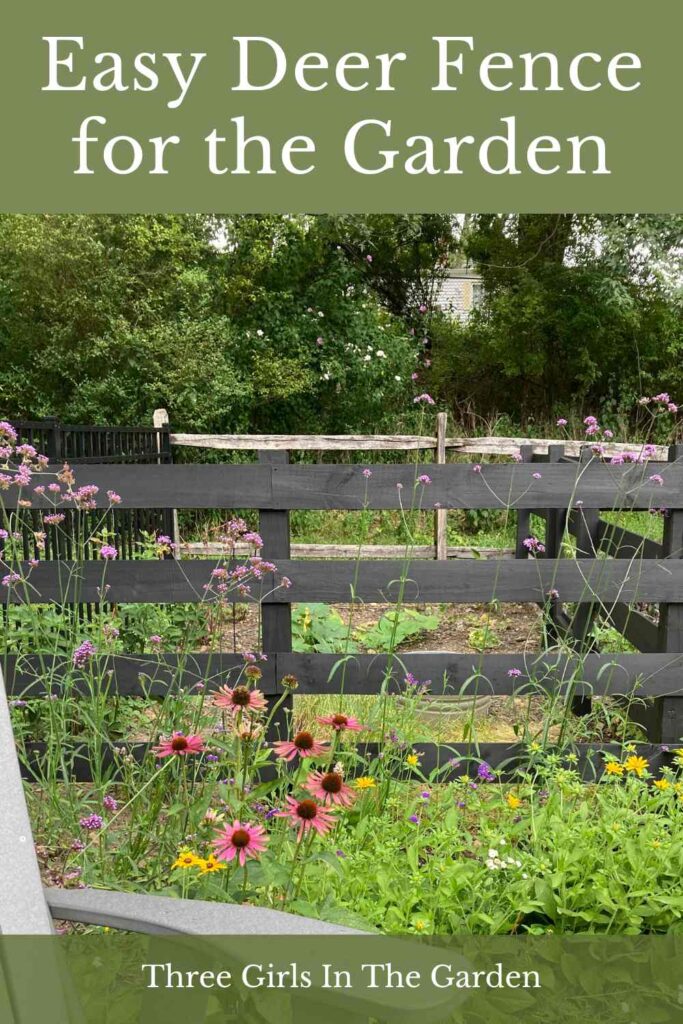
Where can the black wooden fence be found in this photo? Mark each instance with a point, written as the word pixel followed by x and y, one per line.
pixel 613 571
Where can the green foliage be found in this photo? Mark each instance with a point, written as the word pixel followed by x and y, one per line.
pixel 43 629
pixel 483 638
pixel 284 323
pixel 318 628
pixel 396 627
pixel 579 311
pixel 234 324
pixel 402 255
pixel 562 858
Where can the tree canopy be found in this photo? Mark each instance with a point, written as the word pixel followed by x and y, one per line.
pixel 579 311
pixel 320 323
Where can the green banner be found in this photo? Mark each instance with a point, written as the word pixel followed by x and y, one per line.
pixel 124 978
pixel 304 106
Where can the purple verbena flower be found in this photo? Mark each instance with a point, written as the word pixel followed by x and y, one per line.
pixel 83 654
pixel 92 823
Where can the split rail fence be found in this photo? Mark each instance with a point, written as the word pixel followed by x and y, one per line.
pixel 613 570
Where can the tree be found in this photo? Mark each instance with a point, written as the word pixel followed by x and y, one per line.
pixel 104 318
pixel 402 256
pixel 578 310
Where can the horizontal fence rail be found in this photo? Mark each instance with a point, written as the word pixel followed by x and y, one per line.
pixel 394 442
pixel 425 551
pixel 281 487
pixel 442 762
pixel 444 673
pixel 462 581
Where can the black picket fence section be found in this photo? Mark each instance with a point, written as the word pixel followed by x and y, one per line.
pixel 610 571
pixel 79 445
pixel 97 445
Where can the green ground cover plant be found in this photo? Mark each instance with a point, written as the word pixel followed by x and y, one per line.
pixel 317 627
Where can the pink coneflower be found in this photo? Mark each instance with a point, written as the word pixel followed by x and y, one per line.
pixel 180 745
pixel 303 745
pixel 341 722
pixel 306 815
pixel 329 788
pixel 239 698
pixel 240 841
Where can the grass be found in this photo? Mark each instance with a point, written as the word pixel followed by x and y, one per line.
pixel 487 528
pixel 484 528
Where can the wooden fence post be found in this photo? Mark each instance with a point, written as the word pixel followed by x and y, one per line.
pixel 55 445
pixel 555 526
pixel 523 515
pixel 668 718
pixel 441 514
pixel 556 518
pixel 161 424
pixel 587 543
pixel 276 618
